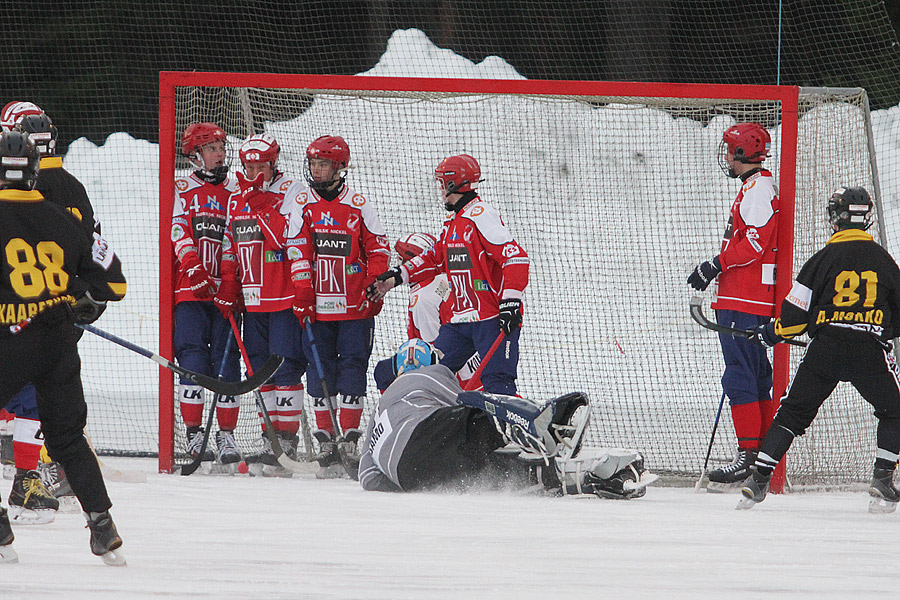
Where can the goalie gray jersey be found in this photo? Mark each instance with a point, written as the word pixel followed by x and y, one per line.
pixel 411 399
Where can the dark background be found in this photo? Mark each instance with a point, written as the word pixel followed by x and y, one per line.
pixel 93 66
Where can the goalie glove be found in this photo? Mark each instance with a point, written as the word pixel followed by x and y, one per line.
pixel 765 335
pixel 384 283
pixel 510 315
pixel 704 273
pixel 201 285
pixel 88 310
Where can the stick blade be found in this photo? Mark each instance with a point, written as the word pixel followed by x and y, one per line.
pixel 236 388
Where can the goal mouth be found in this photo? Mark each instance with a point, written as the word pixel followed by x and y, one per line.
pixel 613 190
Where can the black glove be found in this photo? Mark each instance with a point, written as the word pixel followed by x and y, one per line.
pixel 510 314
pixel 704 273
pixel 388 280
pixel 87 310
pixel 765 335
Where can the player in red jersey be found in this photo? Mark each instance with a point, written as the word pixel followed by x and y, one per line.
pixel 201 332
pixel 348 248
pixel 255 268
pixel 487 271
pixel 745 267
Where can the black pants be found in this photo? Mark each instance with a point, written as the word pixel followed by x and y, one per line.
pixel 454 448
pixel 840 354
pixel 45 354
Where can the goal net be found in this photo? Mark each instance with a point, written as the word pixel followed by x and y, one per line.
pixel 615 192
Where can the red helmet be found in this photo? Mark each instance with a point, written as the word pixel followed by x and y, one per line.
pixel 199 134
pixel 414 244
pixel 331 147
pixel 747 142
pixel 261 147
pixel 15 111
pixel 458 174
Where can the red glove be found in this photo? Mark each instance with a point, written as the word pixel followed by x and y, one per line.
pixel 227 296
pixel 201 285
pixel 305 304
pixel 255 198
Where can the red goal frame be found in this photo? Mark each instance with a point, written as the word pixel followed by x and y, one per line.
pixel 788 96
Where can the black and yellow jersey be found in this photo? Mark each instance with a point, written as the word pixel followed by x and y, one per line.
pixel 43 252
pixel 62 188
pixel 852 282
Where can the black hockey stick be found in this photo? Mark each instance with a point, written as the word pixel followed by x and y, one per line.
pixel 189 468
pixel 283 459
pixel 712 438
pixel 226 388
pixel 350 463
pixel 697 314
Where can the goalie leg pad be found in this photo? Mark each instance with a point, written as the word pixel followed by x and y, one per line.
pixel 608 473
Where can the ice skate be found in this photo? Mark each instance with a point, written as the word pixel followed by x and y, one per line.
pixel 7 552
pixel 349 452
pixel 195 443
pixel 105 540
pixel 754 490
pixel 329 460
pixel 730 476
pixel 884 495
pixel 30 502
pixel 55 480
pixel 228 452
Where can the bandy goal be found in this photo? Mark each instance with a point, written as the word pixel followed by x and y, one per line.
pixel 614 191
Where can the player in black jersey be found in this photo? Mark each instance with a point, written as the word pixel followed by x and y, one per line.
pixel 42 251
pixel 31 499
pixel 847 298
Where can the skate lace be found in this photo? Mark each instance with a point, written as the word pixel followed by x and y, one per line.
pixel 740 463
pixel 226 442
pixel 35 487
pixel 195 442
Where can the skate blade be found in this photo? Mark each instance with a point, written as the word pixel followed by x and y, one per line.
pixel 69 504
pixel 880 506
pixel 276 471
pixel 8 554
pixel 223 469
pixel 114 558
pixel 714 487
pixel 335 471
pixel 745 504
pixel 646 479
pixel 28 516
pixel 255 469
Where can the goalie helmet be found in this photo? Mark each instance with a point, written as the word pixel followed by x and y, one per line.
pixel 328 147
pixel 458 174
pixel 748 143
pixel 414 244
pixel 15 111
pixel 414 354
pixel 260 148
pixel 20 161
pixel 850 208
pixel 42 131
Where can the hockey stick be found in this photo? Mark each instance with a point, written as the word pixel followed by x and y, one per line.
pixel 226 388
pixel 346 460
pixel 189 468
pixel 700 318
pixel 712 437
pixel 283 459
pixel 476 376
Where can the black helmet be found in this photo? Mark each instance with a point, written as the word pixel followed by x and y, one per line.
pixel 20 161
pixel 42 131
pixel 850 208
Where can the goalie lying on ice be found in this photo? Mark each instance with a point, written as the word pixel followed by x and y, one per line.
pixel 426 433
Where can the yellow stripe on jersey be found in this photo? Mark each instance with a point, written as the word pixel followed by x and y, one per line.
pixel 118 289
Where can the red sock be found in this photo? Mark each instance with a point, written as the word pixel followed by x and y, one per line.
pixel 746 419
pixel 767 410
